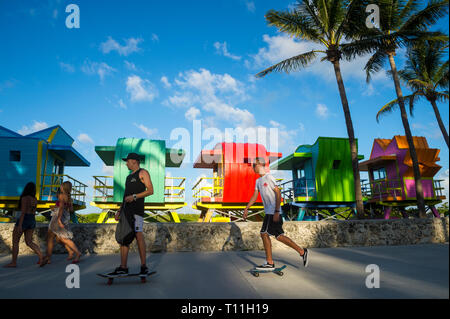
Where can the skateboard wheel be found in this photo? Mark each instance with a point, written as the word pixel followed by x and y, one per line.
pixel 280 273
pixel 143 280
pixel 110 281
pixel 256 274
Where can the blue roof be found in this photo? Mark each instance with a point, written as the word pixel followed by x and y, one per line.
pixel 70 156
pixel 8 132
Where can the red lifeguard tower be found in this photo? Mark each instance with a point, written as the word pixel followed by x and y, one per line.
pixel 229 190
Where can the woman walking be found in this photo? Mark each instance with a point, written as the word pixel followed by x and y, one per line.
pixel 59 223
pixel 25 224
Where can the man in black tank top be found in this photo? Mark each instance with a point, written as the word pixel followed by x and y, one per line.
pixel 137 186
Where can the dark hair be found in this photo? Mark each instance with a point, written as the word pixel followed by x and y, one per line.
pixel 29 190
pixel 259 161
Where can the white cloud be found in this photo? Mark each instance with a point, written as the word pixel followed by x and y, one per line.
pixel 322 111
pixel 37 126
pixel 148 131
pixel 140 89
pixel 84 138
pixel 221 49
pixel 130 66
pixel 112 45
pixel 95 68
pixel 250 6
pixel 67 67
pixel 216 94
pixel 155 37
pixel 165 82
pixel 192 113
pixel 122 105
pixel 109 170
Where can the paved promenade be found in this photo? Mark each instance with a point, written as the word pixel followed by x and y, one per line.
pixel 419 271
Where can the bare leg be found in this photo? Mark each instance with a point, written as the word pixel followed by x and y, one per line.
pixel 141 247
pixel 69 250
pixel 124 256
pixel 31 244
pixel 50 243
pixel 287 241
pixel 15 247
pixel 267 247
pixel 69 243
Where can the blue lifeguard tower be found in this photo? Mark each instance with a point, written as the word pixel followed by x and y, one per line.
pixel 38 157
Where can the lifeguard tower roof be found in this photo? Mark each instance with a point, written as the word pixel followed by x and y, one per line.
pixel 59 142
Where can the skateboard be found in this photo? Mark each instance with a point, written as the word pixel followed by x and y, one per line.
pixel 112 277
pixel 278 270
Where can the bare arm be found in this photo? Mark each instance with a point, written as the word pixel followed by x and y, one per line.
pixel 253 199
pixel 24 207
pixel 144 176
pixel 146 179
pixel 250 203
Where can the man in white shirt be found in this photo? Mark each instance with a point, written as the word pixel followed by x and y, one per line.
pixel 273 222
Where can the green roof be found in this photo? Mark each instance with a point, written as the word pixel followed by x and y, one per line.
pixel 290 161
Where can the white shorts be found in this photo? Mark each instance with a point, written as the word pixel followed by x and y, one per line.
pixel 138 223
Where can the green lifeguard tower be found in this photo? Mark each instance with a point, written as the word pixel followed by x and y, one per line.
pixel 322 180
pixel 168 193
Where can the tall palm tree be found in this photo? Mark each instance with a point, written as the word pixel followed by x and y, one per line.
pixel 401 24
pixel 324 22
pixel 427 76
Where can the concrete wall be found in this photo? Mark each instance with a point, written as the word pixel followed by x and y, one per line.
pixel 171 237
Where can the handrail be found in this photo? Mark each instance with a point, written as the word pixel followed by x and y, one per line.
pixel 78 188
pixel 301 187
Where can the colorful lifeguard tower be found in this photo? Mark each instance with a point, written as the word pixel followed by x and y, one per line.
pixel 168 193
pixel 39 157
pixel 391 177
pixel 229 190
pixel 322 180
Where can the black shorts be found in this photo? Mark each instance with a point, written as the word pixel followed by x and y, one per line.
pixel 272 228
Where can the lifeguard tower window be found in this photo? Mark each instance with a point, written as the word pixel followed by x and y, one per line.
pixel 336 164
pixel 300 173
pixel 379 173
pixel 14 156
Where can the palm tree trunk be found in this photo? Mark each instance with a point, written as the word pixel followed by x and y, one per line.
pixel 439 119
pixel 409 138
pixel 351 138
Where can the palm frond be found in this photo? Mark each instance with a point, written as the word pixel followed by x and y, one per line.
pixel 426 17
pixel 292 64
pixel 375 64
pixel 294 24
pixel 391 107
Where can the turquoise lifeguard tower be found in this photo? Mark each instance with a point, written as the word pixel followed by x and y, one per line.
pixel 39 157
pixel 168 193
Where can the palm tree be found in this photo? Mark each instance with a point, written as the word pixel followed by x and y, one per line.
pixel 425 73
pixel 401 24
pixel 324 22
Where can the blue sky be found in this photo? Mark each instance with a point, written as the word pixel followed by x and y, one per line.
pixel 148 67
